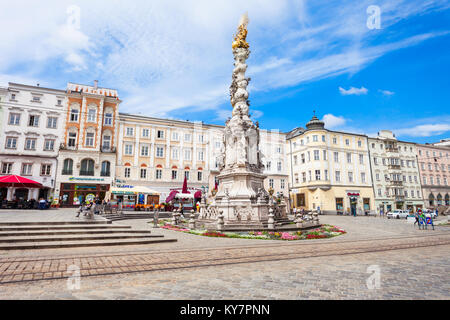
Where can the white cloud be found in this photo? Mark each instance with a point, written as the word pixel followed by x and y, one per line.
pixel 332 121
pixel 169 55
pixel 353 91
pixel 387 92
pixel 424 130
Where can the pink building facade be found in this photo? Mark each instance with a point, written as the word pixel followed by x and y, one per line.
pixel 434 168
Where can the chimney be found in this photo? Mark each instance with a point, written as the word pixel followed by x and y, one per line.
pixel 95 84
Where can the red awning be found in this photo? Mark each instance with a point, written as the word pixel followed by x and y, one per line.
pixel 18 181
pixel 198 194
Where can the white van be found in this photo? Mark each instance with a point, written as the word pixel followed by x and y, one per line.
pixel 397 214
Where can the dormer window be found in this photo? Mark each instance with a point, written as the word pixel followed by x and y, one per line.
pixel 36 99
pixel 13 96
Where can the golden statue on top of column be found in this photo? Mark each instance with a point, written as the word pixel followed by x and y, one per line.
pixel 241 35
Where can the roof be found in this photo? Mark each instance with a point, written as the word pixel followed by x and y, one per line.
pixel 74 87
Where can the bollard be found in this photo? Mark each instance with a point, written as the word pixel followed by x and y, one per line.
pixel 155 219
pixel 174 217
pixel 271 220
pixel 192 220
pixel 299 220
pixel 220 222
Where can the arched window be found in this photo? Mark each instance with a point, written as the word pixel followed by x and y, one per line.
pixel 106 167
pixel 87 167
pixel 447 199
pixel 439 199
pixel 431 199
pixel 67 166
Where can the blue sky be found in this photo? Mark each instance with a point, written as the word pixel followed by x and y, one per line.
pixel 173 59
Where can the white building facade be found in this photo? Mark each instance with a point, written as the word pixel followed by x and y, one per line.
pixel 395 173
pixel 32 125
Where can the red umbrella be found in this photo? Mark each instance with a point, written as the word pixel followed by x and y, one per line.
pixel 198 194
pixel 185 190
pixel 18 181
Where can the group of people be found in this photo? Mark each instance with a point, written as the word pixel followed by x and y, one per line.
pixel 25 204
pixel 421 219
pixel 95 206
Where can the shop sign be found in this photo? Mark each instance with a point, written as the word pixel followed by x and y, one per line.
pixel 353 194
pixel 86 179
pixel 124 186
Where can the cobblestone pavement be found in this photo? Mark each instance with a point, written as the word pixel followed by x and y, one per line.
pixel 198 267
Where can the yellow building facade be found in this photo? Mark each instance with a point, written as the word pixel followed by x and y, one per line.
pixel 329 170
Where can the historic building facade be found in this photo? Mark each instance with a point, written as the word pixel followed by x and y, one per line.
pixel 159 153
pixel 395 173
pixel 32 123
pixel 329 170
pixel 87 156
pixel 434 167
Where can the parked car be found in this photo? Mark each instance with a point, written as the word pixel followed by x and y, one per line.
pixel 397 214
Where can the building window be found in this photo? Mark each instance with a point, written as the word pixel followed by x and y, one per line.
pixel 296 177
pixel 363 177
pixel 336 156
pixel 316 155
pixel 279 166
pixel 30 144
pixel 74 115
pixel 49 144
pixel 349 158
pixel 347 142
pixel 129 132
pixel 379 192
pixel 175 153
pixel 200 138
pixel 160 134
pixel 159 152
pixel 323 138
pixel 51 122
pixel 315 138
pixel 175 136
pixel 304 176
pixel 143 173
pixel 46 169
pixel 361 159
pixel 350 177
pixel 282 184
pixel 187 154
pixel 317 175
pixel 302 156
pixel 359 143
pixel 27 169
pixel 186 175
pixel 174 174
pixel 144 151
pixel 72 139
pixel 324 154
pixel 268 165
pixel 14 119
pixel 145 133
pixel 340 204
pixel 11 143
pixel 36 99
pixel 33 121
pixel 128 149
pixel 7 168
pixel 271 183
pixel 187 137
pixel 199 176
pixel 334 140
pixel 295 160
pixel 89 139
pixel 91 116
pixel 326 174
pixel 108 119
pixel 127 172
pixel 106 169
pixel 67 167
pixel 200 156
pixel 106 142
pixel 87 167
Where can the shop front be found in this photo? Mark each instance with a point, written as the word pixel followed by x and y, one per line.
pixel 133 197
pixel 74 194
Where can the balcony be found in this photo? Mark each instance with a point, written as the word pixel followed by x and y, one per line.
pixel 105 173
pixel 86 172
pixel 394 166
pixel 391 149
pixel 396 182
pixel 67 172
pixel 108 149
pixel 64 146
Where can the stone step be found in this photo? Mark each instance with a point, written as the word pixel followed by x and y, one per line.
pixel 74 244
pixel 70 232
pixel 62 227
pixel 53 223
pixel 17 239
